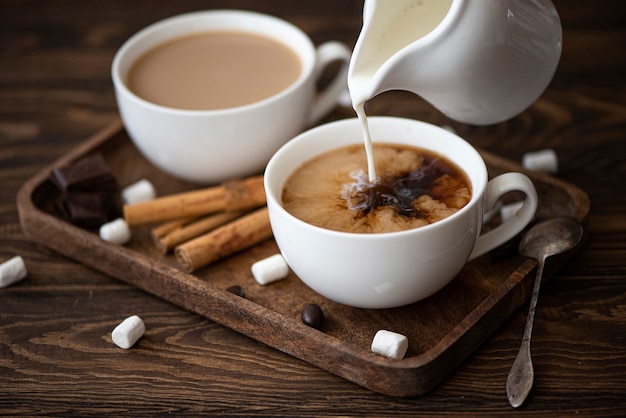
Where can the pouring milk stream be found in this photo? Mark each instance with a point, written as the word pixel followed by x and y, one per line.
pixel 478 62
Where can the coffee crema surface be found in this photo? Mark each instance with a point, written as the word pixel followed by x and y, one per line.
pixel 213 70
pixel 415 187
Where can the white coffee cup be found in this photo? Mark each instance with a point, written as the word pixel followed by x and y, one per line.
pixel 210 146
pixel 386 270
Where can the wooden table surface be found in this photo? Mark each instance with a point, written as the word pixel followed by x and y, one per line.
pixel 56 90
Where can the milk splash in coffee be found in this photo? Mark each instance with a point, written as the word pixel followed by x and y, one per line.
pixel 397 25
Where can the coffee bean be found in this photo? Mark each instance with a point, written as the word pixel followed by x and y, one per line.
pixel 237 290
pixel 313 316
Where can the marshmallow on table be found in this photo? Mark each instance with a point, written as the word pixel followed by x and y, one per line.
pixel 126 334
pixel 138 192
pixel 11 271
pixel 116 232
pixel 544 160
pixel 390 344
pixel 270 269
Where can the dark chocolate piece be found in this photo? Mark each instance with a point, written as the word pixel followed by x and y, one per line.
pixel 89 173
pixel 89 192
pixel 90 210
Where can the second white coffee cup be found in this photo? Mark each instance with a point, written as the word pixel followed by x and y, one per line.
pixel 210 146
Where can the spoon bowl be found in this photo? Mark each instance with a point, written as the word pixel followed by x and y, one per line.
pixel 551 237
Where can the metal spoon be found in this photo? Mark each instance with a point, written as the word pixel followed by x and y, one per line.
pixel 548 238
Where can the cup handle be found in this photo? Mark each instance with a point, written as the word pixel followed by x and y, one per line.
pixel 326 100
pixel 497 187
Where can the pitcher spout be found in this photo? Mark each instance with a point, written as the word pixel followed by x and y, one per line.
pixel 395 35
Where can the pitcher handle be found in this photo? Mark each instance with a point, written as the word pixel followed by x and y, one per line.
pixel 326 100
pixel 497 187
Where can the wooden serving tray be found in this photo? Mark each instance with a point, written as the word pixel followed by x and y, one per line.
pixel 442 330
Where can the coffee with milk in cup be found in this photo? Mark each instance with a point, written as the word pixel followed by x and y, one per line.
pixel 215 145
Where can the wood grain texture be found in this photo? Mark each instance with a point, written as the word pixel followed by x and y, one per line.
pixel 57 357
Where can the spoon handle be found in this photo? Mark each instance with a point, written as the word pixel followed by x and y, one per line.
pixel 520 379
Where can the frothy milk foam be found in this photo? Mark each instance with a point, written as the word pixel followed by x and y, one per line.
pixel 395 28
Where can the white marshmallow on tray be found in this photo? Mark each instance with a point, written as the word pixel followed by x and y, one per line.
pixel 270 269
pixel 390 344
pixel 544 160
pixel 116 232
pixel 126 334
pixel 12 271
pixel 138 192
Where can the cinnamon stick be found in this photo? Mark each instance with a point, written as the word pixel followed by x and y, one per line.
pixel 192 229
pixel 228 239
pixel 166 228
pixel 233 195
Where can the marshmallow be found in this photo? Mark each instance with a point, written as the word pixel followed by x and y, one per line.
pixel 544 160
pixel 390 344
pixel 116 232
pixel 138 192
pixel 11 271
pixel 270 269
pixel 126 334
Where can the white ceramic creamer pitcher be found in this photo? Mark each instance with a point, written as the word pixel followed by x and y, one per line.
pixel 477 61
